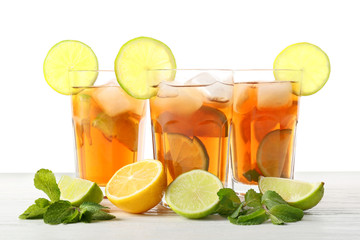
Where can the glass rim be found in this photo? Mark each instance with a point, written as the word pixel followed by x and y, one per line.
pixel 227 69
pixel 88 70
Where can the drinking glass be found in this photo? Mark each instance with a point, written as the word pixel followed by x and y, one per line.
pixel 265 115
pixel 190 120
pixel 108 125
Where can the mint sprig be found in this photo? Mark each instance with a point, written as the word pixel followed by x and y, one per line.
pixel 257 208
pixel 45 181
pixel 58 211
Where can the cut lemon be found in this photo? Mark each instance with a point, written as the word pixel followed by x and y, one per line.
pixel 313 62
pixel 77 191
pixel 299 194
pixel 137 187
pixel 70 55
pixel 185 154
pixel 272 152
pixel 194 194
pixel 133 61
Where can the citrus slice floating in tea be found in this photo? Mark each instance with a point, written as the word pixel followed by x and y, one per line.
pixel 137 187
pixel 70 55
pixel 273 152
pixel 77 191
pixel 133 61
pixel 194 194
pixel 184 154
pixel 310 59
pixel 299 194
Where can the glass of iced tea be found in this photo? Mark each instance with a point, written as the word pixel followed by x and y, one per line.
pixel 265 115
pixel 190 120
pixel 108 125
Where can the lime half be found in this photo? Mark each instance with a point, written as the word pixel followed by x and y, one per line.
pixel 310 59
pixel 77 190
pixel 194 194
pixel 136 58
pixel 66 56
pixel 299 194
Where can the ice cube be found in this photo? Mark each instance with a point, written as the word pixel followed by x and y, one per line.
pixel 242 93
pixel 274 95
pixel 211 88
pixel 166 91
pixel 186 102
pixel 204 78
pixel 218 92
pixel 112 100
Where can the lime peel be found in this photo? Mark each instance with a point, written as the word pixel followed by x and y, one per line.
pixel 299 194
pixel 194 194
pixel 77 190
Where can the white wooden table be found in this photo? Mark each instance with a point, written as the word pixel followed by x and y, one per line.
pixel 336 217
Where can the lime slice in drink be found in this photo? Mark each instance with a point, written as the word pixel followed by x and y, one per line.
pixel 133 61
pixel 185 154
pixel 299 194
pixel 69 55
pixel 272 153
pixel 307 57
pixel 194 194
pixel 77 190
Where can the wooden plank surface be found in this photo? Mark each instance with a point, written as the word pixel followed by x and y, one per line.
pixel 336 217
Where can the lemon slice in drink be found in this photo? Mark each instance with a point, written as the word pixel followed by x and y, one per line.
pixel 69 55
pixel 194 194
pixel 273 152
pixel 77 190
pixel 299 194
pixel 310 59
pixel 133 61
pixel 185 154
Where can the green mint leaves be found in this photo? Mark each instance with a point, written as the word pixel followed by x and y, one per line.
pixel 257 208
pixel 59 211
pixel 45 181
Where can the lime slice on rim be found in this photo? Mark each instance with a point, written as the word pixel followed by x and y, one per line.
pixel 77 191
pixel 310 59
pixel 69 55
pixel 299 194
pixel 194 194
pixel 133 61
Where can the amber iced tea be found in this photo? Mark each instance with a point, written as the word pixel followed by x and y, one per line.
pixel 190 125
pixel 263 132
pixel 108 130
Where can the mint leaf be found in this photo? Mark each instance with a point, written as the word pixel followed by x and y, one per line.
pixel 33 212
pixel 101 215
pixel 59 212
pixel 287 213
pixel 252 175
pixel 276 220
pixel 253 199
pixel 74 217
pixel 42 202
pixel 238 211
pixel 93 211
pixel 257 217
pixel 271 199
pixel 45 180
pixel 229 201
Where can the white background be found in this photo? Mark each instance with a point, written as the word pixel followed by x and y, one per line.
pixel 35 121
